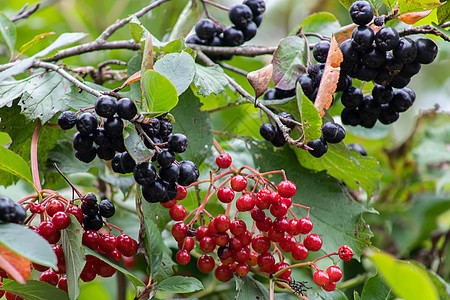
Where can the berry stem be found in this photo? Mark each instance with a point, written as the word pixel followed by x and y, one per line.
pixel 214 4
pixel 303 264
pixel 34 159
pixel 68 181
pixel 109 225
pixel 144 135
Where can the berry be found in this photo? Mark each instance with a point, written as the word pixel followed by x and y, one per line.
pixel 107 243
pixel 399 81
pixel 165 158
pixel 382 94
pixel 362 72
pixel 345 253
pixel 258 215
pixel 278 210
pixel 386 38
pixel 426 51
pixel 48 231
pixel 245 203
pixel 240 15
pixel 362 38
pixel 105 153
pixel 144 173
pixel 350 54
pixel 183 257
pixel 86 157
pixel 82 143
pixel 49 276
pixel 373 58
pixel 265 225
pixel 312 242
pixel 249 31
pixel 177 212
pixel 278 140
pixel 266 262
pixel 221 223
pixel 223 273
pixel 233 36
pixel 170 174
pixel 106 208
pixel 207 244
pixel 92 222
pixel 320 51
pixel 126 245
pixel 205 29
pixel 127 162
pixel 411 69
pixel 100 137
pixel 263 197
pixel 334 273
pixel 286 189
pixel 154 192
pixel 238 183
pixel 320 277
pixel 333 132
pixel 401 101
pixel 387 114
pixel 280 225
pixel 169 204
pixel 257 20
pixel 90 239
pixel 225 194
pixel 187 243
pixel 179 231
pixel 89 210
pixel 257 6
pixel 299 252
pixel 62 283
pixel 350 116
pixel 319 147
pixel 206 263
pixel 67 120
pixel 304 225
pixel 126 109
pixel 189 173
pixel 329 286
pixel 260 243
pixel 89 272
pixel 223 160
pixel 242 269
pixel 406 50
pixel 361 12
pixel 267 131
pixel 181 193
pixel 105 106
pixel 177 142
pixel 280 266
pixel 238 227
pixel 61 220
pixel 352 97
pixel 287 243
pixel 87 124
pixel 104 269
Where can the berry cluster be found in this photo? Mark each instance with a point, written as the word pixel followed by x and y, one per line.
pixel 246 18
pixel 236 247
pixel 273 133
pixel 331 133
pixel 93 212
pixel 11 212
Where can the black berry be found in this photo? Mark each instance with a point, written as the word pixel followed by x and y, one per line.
pixel 126 109
pixel 144 173
pixel 116 165
pixel 320 51
pixel 127 162
pixel 333 132
pixel 240 15
pixel 87 124
pixel 67 120
pixel 154 192
pixel 382 94
pixel 106 208
pixel 387 114
pixel 170 174
pixel 401 101
pixel 232 36
pixel 86 157
pixel 426 51
pixel 249 31
pixel 362 38
pixel 406 50
pixel 92 222
pixel 268 131
pixel 205 29
pixel 386 39
pixel 178 142
pixel 361 12
pixel 189 173
pixel 373 58
pixel 165 158
pixel 319 147
pixel 256 6
pixel 114 126
pixel 105 106
pixel 82 143
pixel 350 116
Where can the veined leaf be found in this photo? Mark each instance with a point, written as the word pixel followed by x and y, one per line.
pixel 14 164
pixel 160 94
pixel 8 31
pixel 35 290
pixel 210 80
pixel 180 284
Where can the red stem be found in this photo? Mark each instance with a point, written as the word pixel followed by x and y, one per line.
pixel 34 156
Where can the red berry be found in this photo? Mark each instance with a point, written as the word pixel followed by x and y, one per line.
pixel 61 220
pixel 202 231
pixel 238 227
pixel 264 226
pixel 104 269
pixel 89 271
pixel 260 243
pixel 224 252
pixel 242 269
pixel 345 253
pixel 49 276
pixel 304 225
pixel 275 198
pixel 177 212
pixel 312 242
pixel 168 204
pixel 275 236
pixel 211 227
pixel 252 259
pixel 115 254
pixel 236 243
pixel 91 239
pixel 246 238
pixel 299 252
pixel 286 201
pixel 11 296
pixel 129 262
pixel 61 261
pixel 286 189
pixel 329 286
pixel 238 183
pixel 293 227
pixel 263 198
pixel 266 262
pixel 221 223
pixel 77 212
pixel 128 246
pixel 187 244
pixel 181 192
pixel 38 267
pixel 183 257
pixel 53 207
pixel 334 273
pixel 62 283
pixel 258 215
pixel 48 231
pixel 245 203
pixel 206 263
pixel 207 244
pixel 278 210
pixel 36 208
pixel 223 273
pixel 320 277
pixel 223 160
pixel 282 265
pixel 221 239
pixel 225 194
pixel 280 225
pixel 179 231
pixel 287 243
pixel 107 243
pixel 241 255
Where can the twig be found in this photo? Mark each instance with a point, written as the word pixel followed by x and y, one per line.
pixel 24 13
pixel 34 157
pixel 425 29
pixel 232 104
pixel 231 68
pixel 241 51
pixel 215 4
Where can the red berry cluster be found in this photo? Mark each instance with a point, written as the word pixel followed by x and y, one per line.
pixel 275 229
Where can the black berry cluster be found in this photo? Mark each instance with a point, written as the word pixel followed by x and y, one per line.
pixel 246 18
pixel 276 94
pixel 93 212
pixel 11 212
pixel 331 133
pixel 273 133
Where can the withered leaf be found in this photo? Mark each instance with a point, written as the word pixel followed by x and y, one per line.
pixel 414 17
pixel 260 79
pixel 17 267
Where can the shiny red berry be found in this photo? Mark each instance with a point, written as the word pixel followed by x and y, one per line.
pixel 62 283
pixel 53 207
pixel 345 253
pixel 313 242
pixel 91 239
pixel 245 203
pixel 181 192
pixel 207 244
pixel 206 263
pixel 225 194
pixel 127 245
pixel 238 227
pixel 177 212
pixel 221 223
pixel 107 243
pixel 260 243
pixel 238 183
pixel 223 160
pixel 266 262
pixel 179 231
pixel 187 244
pixel 280 266
pixel 61 220
pixel 242 269
pixel 183 257
pixel 263 198
pixel 321 277
pixel 77 212
pixel 299 252
pixel 329 286
pixel 49 276
pixel 334 273
pixel 304 225
pixel 223 273
pixel 286 189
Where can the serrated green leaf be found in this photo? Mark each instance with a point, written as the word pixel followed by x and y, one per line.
pixel 210 80
pixel 11 90
pixel 179 68
pixel 443 12
pixel 249 288
pixel 73 254
pixel 406 280
pixel 180 284
pixel 407 6
pixel 187 20
pixel 35 290
pixel 160 94
pixel 375 288
pixel 8 31
pixel 287 62
pixel 323 23
pixel 77 99
pixel 41 252
pixel 350 167
pixel 136 281
pixel 195 124
pixel 14 164
pixel 135 146
pixel 310 118
pixel 153 240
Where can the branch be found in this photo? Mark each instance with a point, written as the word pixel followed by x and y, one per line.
pixel 23 13
pixel 242 51
pixel 426 29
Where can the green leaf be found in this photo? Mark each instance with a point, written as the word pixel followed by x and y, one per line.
pixel 406 280
pixel 443 288
pixel 335 218
pixel 35 40
pixel 350 167
pixel 8 31
pixel 249 288
pixel 176 46
pixel 160 94
pixel 41 252
pixel 407 6
pixel 133 66
pixel 73 254
pixel 196 124
pixel 180 284
pixel 179 68
pixel 441 30
pixel 310 118
pixel 77 99
pixel 375 3
pixel 136 281
pixel 375 288
pixel 287 62
pixel 187 20
pixel 14 164
pixel 210 80
pixel 136 147
pixel 35 290
pixel 334 295
pixel 165 269
pixel 153 240
pixel 11 90
pixel 443 12
pixel 137 30
pixel 323 23
pixel 390 3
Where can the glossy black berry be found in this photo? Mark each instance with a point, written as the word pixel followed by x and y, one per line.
pixel 194 39
pixel 20 214
pixel 86 157
pixel 362 72
pixel 165 158
pixel 393 65
pixel 154 192
pixel 170 174
pixel 105 106
pixel 67 120
pixel 92 222
pixel 387 114
pixel 383 77
pixel 205 29
pixel 361 12
pixel 89 199
pixel 399 81
pixel 7 209
pixel 320 51
pixel 178 142
pixel 87 124
pixel 105 152
pixel 319 147
pixel 307 84
pixel 282 94
pixel 165 128
pixel 351 56
pixel 268 131
pixel 114 126
pixel 409 70
pixel 315 71
pixel 144 173
pixel 410 93
pixel 106 208
pixel 249 31
pixel 427 51
pixel 116 165
pixel 286 117
pixel 152 128
pixel 344 82
pixel 386 39
pixel 278 140
pixel 155 139
pixel 256 6
pixel 357 147
pixel 382 94
pixel 362 38
pixel 189 173
pixel 82 143
pixel 350 116
pixel 126 109
pixel 333 132
pixel 240 15
pixel 378 21
pixel 257 20
pixel 100 137
pixel 89 210
pixel 117 143
pixel 127 162
pixel 369 110
pixel 232 36
pixel 373 58
pixel 401 101
pixel 405 51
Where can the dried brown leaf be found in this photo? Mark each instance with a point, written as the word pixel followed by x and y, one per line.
pixel 330 78
pixel 414 17
pixel 17 267
pixel 133 78
pixel 260 79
